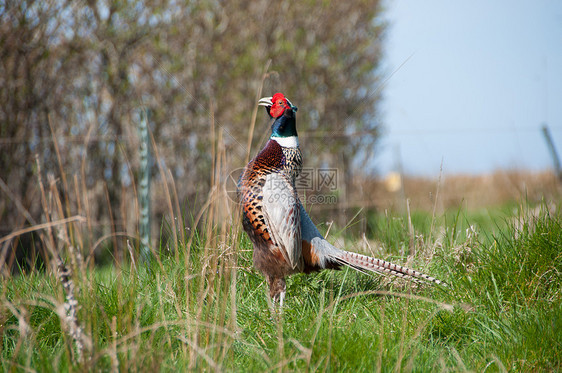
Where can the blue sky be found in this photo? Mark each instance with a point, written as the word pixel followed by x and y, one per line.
pixel 478 80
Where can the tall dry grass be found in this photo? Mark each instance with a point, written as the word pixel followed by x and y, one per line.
pixel 453 191
pixel 205 241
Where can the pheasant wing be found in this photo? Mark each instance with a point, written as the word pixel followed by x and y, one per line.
pixel 281 212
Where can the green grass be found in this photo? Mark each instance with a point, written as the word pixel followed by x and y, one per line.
pixel 209 310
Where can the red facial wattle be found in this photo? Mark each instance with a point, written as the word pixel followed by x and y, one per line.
pixel 279 105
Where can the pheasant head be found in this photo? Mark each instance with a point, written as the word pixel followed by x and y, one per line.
pixel 276 105
pixel 283 129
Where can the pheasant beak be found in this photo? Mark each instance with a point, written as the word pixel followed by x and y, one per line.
pixel 265 101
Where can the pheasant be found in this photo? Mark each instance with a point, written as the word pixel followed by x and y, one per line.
pixel 285 239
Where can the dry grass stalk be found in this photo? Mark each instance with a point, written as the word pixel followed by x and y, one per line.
pixel 255 113
pixel 70 321
pixel 68 310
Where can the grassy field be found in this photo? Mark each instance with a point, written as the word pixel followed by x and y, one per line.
pixel 205 307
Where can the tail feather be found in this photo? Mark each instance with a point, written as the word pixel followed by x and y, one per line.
pixel 378 269
pixel 325 252
pixel 364 263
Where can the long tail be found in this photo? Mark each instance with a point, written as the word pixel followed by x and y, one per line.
pixel 364 263
pixel 325 253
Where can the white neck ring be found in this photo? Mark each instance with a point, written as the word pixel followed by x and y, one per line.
pixel 287 142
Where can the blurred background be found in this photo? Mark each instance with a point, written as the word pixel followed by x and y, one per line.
pixel 398 100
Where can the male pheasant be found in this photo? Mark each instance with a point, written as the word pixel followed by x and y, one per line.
pixel 285 240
